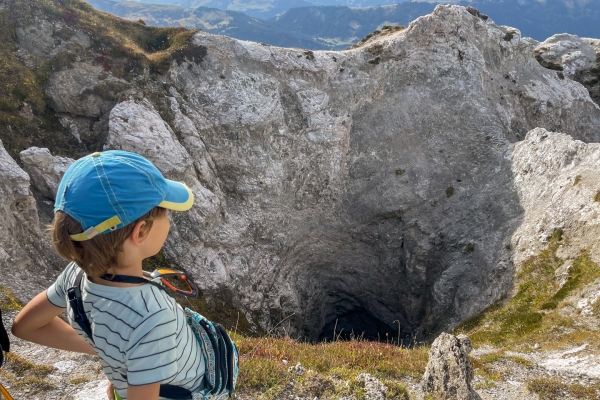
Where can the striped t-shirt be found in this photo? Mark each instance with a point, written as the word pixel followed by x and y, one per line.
pixel 140 333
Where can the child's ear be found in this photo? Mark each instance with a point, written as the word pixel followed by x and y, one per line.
pixel 139 232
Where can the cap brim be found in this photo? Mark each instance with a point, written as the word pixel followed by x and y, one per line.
pixel 179 198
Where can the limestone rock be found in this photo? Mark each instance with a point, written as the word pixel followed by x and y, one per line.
pixel 365 191
pixel 449 372
pixel 557 180
pixel 45 170
pixel 24 252
pixel 138 127
pixel 352 193
pixel 46 38
pixel 374 388
pixel 77 90
pixel 297 369
pixel 578 58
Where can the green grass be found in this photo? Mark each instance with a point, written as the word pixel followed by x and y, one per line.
pixel 531 315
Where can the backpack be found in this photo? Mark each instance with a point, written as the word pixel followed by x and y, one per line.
pixel 4 346
pixel 4 342
pixel 220 353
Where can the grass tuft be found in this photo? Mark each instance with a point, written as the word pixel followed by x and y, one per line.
pixel 79 380
pixel 555 389
pixel 19 366
pixel 8 301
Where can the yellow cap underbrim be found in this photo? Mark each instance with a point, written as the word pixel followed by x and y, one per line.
pixel 179 206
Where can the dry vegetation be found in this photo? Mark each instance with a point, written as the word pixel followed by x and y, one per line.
pixel 265 363
pixel 18 372
pixel 554 388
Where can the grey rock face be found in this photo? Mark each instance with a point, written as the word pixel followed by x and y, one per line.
pixel 44 169
pixel 557 179
pixel 42 38
pixel 24 252
pixel 366 192
pixel 370 186
pixel 578 58
pixel 449 372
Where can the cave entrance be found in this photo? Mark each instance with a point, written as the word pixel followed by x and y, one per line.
pixel 361 325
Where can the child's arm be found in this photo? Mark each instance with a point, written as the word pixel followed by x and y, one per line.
pixel 144 392
pixel 38 322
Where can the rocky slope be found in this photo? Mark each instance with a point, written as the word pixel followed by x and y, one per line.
pixel 339 190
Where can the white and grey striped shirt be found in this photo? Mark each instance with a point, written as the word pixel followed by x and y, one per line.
pixel 140 333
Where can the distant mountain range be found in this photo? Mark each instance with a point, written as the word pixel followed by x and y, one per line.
pixel 326 27
pixel 265 9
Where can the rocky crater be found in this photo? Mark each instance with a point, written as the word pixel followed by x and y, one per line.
pixel 346 193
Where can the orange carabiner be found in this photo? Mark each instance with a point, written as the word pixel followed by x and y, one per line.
pixel 5 393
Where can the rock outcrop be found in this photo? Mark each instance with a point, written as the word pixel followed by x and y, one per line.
pixel 363 191
pixel 558 180
pixel 369 186
pixel 25 254
pixel 45 170
pixel 449 372
pixel 575 57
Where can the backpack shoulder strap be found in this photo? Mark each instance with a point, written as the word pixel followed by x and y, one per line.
pixel 74 295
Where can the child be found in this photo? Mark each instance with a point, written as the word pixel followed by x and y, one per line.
pixel 110 214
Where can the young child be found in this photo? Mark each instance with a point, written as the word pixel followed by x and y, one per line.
pixel 110 214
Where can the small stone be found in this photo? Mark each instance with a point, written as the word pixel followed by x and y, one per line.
pixel 298 369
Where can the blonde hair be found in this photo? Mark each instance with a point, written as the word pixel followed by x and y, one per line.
pixel 97 255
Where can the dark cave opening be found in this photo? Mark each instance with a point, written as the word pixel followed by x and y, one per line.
pixel 361 325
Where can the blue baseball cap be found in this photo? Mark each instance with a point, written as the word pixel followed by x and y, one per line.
pixel 105 191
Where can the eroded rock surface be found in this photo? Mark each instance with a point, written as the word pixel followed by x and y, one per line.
pixel 575 57
pixel 45 170
pixel 365 191
pixel 25 255
pixel 449 372
pixel 557 180
pixel 370 186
